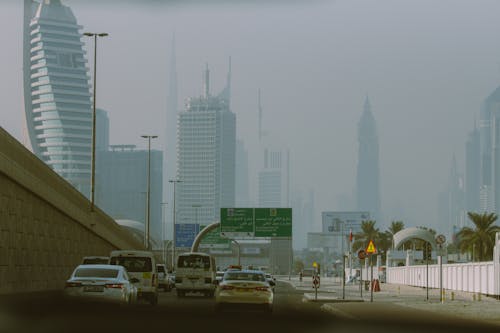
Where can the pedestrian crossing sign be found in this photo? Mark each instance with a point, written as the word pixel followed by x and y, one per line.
pixel 371 249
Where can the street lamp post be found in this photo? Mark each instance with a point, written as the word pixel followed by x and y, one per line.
pixel 92 182
pixel 164 231
pixel 174 181
pixel 148 214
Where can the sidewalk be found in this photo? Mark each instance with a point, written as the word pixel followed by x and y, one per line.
pixel 464 305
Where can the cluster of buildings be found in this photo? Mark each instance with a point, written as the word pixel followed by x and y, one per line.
pixel 478 189
pixel 202 156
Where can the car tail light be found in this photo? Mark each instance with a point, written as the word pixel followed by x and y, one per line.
pixel 227 287
pixel 73 284
pixel 261 288
pixel 114 285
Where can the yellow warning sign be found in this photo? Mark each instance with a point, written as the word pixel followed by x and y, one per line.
pixel 370 249
pixel 315 264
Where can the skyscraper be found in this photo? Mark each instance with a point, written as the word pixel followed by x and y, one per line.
pixel 56 91
pixel 206 157
pixel 472 171
pixel 273 179
pixel 367 181
pixel 241 185
pixel 122 184
pixel 488 110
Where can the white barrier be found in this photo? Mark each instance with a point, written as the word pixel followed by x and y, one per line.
pixel 476 277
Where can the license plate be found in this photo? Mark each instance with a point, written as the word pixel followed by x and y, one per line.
pixel 93 288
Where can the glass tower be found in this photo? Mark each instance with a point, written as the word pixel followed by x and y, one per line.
pixel 57 92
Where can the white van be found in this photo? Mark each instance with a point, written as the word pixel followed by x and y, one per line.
pixel 142 266
pixel 195 273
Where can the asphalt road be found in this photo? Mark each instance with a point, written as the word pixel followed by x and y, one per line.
pixel 195 313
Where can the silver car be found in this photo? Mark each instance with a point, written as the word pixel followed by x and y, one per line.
pixel 106 283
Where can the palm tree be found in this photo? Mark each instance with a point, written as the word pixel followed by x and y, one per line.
pixel 368 232
pixel 396 226
pixel 481 239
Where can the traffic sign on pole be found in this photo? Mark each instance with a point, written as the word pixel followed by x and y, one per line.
pixel 371 249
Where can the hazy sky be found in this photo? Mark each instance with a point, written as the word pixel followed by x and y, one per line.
pixel 425 64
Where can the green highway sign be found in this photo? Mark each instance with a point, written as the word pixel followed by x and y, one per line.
pixel 273 222
pixel 255 222
pixel 213 240
pixel 236 222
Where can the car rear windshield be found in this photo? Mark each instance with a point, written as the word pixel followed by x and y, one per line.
pixel 97 272
pixel 193 261
pixel 243 276
pixel 133 264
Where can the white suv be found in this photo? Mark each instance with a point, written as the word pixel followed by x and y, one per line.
pixel 142 266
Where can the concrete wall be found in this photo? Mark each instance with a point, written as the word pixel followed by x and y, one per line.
pixel 477 277
pixel 46 226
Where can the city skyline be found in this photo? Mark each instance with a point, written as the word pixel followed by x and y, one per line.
pixel 329 91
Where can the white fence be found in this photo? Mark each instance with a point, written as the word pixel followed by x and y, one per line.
pixel 476 277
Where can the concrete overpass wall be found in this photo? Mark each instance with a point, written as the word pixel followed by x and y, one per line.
pixel 46 226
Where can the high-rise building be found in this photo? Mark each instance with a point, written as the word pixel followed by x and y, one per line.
pixel 451 210
pixel 121 185
pixel 367 181
pixel 488 110
pixel 273 179
pixel 242 188
pixel 472 171
pixel 56 91
pixel 102 130
pixel 206 148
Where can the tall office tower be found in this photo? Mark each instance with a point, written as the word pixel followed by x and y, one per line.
pixel 489 107
pixel 472 171
pixel 367 181
pixel 274 179
pixel 102 130
pixel 451 203
pixel 206 149
pixel 242 190
pixel 274 192
pixel 56 91
pixel 494 109
pixel 121 185
pixel 302 217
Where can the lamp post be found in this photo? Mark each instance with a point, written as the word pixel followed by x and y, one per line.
pixel 92 181
pixel 148 214
pixel 164 231
pixel 174 181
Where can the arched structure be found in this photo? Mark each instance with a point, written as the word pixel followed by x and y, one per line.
pixel 413 233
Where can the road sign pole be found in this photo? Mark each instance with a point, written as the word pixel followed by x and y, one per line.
pixel 361 278
pixel 343 276
pixel 371 278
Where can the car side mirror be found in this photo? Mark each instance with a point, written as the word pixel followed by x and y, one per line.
pixel 134 280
